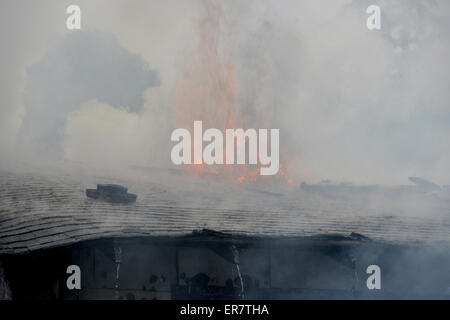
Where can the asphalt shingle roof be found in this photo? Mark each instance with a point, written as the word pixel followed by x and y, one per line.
pixel 46 209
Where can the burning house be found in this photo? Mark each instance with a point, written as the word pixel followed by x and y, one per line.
pixel 173 244
pixel 95 106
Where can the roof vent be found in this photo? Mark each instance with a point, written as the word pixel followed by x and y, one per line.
pixel 111 193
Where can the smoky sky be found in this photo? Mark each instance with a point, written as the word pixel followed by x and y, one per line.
pixel 80 67
pixel 351 104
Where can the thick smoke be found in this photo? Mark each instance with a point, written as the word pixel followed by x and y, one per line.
pixel 351 104
pixel 81 67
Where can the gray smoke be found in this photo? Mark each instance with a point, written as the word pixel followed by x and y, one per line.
pixel 351 104
pixel 80 67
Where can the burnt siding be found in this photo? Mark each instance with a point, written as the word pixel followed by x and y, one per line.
pixel 184 268
pixel 5 291
pixel 308 269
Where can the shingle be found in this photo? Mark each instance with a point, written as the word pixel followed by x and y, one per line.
pixel 39 210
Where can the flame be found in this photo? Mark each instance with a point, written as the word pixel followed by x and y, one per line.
pixel 209 91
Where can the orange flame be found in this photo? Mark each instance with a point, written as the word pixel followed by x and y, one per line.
pixel 208 91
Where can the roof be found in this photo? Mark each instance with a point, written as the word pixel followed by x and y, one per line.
pixel 47 208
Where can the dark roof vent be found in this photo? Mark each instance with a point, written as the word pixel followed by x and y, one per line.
pixel 111 193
